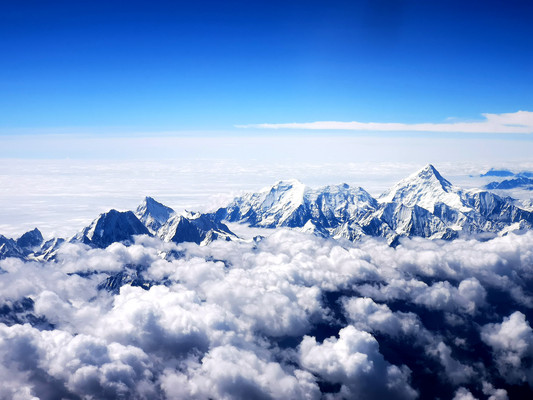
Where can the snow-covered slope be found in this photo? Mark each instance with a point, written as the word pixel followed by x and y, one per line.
pixel 424 204
pixel 292 204
pixel 49 249
pixel 425 188
pixel 194 227
pixel 153 214
pixel 279 205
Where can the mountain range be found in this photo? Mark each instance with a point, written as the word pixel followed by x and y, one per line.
pixel 522 180
pixel 424 204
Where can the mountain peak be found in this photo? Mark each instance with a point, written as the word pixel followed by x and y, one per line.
pixel 30 239
pixel 424 188
pixel 430 169
pixel 112 226
pixel 429 173
pixel 285 185
pixel 194 227
pixel 151 204
pixel 150 201
pixel 153 214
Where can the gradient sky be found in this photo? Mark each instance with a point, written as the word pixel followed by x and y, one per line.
pixel 117 66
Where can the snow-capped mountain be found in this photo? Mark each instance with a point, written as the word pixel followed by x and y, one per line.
pixel 279 205
pixel 25 245
pixel 194 227
pixel 518 182
pixel 48 249
pixel 9 248
pixel 153 214
pixel 425 188
pixel 31 241
pixel 115 226
pixel 292 204
pixel 498 173
pixel 110 227
pixel 424 204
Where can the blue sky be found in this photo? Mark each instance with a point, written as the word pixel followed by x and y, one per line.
pixel 121 67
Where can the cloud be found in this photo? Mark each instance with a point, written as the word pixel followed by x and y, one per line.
pixel 512 345
pixel 227 372
pixel 455 371
pixel 463 394
pixel 60 365
pixel 290 316
pixel 517 122
pixel 367 315
pixel 353 360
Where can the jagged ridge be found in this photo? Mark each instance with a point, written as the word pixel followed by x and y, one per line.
pixel 424 204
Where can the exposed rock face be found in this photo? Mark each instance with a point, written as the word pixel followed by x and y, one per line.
pixel 110 227
pixel 195 227
pixel 30 241
pixel 9 248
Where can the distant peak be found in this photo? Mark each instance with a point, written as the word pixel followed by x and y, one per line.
pixel 150 201
pixel 191 214
pixel 429 172
pixel 150 204
pixel 428 169
pixel 30 238
pixel 498 172
pixel 288 183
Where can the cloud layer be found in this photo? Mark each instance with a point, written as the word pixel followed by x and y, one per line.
pixel 292 316
pixel 517 122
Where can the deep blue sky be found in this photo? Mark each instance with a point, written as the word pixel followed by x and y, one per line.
pixel 208 65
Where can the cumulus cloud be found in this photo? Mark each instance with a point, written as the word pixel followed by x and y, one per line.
pixel 353 360
pixel 493 393
pixel 455 371
pixel 290 316
pixel 512 344
pixel 365 314
pixel 56 364
pixel 517 122
pixel 463 394
pixel 227 372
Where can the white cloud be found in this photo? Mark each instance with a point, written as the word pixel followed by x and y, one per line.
pixel 512 345
pixel 55 364
pixel 493 393
pixel 353 359
pixel 289 314
pixel 455 371
pixel 463 394
pixel 367 315
pixel 517 122
pixel 227 372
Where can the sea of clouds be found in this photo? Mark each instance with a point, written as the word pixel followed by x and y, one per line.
pixel 291 316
